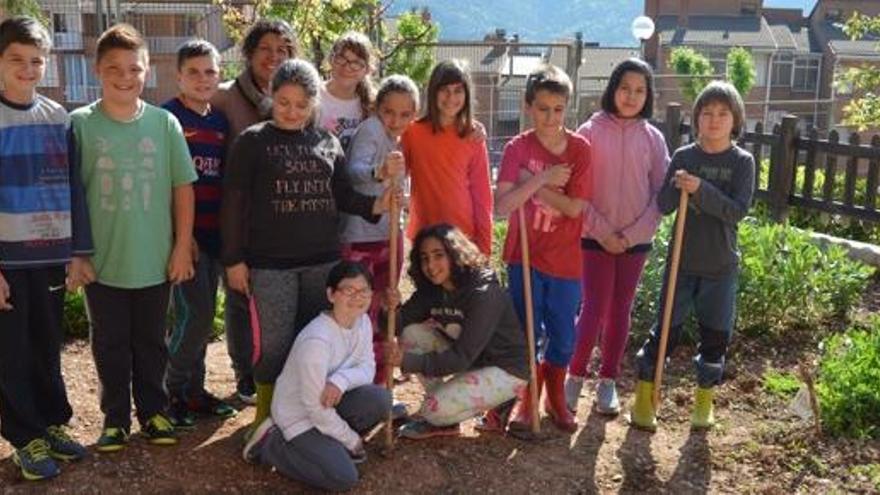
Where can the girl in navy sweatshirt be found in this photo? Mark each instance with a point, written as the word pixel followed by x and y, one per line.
pixel 460 333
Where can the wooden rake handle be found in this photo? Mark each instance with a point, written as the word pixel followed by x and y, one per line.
pixel 530 320
pixel 394 222
pixel 670 296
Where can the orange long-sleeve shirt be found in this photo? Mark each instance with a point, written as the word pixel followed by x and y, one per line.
pixel 450 182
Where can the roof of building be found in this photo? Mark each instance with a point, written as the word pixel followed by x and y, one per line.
pixel 597 64
pixel 745 31
pixel 795 38
pixel 841 44
pixel 481 57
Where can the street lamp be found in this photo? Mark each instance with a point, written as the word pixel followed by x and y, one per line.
pixel 642 30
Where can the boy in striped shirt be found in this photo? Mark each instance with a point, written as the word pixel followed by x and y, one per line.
pixel 45 241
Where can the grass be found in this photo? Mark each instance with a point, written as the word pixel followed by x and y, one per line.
pixel 782 385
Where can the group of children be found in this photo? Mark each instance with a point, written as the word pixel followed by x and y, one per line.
pixel 279 184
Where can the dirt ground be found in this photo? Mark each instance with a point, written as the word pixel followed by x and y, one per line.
pixel 758 446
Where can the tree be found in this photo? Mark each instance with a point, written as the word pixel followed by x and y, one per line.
pixel 413 59
pixel 695 68
pixel 864 109
pixel 319 22
pixel 9 8
pixel 741 70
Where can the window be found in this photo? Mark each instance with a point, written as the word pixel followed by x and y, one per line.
pixel 749 7
pixel 59 23
pixel 781 72
pixel 50 78
pixel 75 78
pixel 152 78
pixel 806 74
pixel 718 59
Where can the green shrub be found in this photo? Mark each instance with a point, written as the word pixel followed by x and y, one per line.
pixel 849 382
pixel 499 234
pixel 783 385
pixel 76 322
pixel 785 280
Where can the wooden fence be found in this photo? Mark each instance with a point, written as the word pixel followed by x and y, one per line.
pixel 809 172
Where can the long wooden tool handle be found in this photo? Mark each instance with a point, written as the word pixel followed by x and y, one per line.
pixel 670 296
pixel 393 241
pixel 530 320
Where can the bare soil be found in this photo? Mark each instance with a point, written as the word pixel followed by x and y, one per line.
pixel 758 446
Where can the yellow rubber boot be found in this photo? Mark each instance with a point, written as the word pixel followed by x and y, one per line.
pixel 264 403
pixel 642 414
pixel 703 415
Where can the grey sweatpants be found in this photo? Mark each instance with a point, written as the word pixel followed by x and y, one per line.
pixel 286 301
pixel 322 461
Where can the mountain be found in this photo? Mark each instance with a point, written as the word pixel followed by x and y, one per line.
pixel 605 21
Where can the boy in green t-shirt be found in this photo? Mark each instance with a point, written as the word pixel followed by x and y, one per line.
pixel 137 173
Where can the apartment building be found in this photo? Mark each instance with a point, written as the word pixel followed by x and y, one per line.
pixel 76 24
pixel 797 56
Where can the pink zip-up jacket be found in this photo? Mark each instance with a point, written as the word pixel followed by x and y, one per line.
pixel 629 160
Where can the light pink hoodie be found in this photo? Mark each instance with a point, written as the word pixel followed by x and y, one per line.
pixel 628 165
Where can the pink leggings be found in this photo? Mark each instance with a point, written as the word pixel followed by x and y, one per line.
pixel 609 287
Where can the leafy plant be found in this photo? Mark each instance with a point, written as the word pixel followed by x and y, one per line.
pixel 849 374
pixel 695 67
pixel 783 385
pixel 741 70
pixel 864 110
pixel 76 321
pixel 785 280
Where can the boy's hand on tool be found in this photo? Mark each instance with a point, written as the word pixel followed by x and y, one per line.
pixel 686 181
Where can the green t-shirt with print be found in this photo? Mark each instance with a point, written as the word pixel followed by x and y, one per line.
pixel 130 170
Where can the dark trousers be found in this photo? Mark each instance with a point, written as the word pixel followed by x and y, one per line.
pixel 239 338
pixel 193 306
pixel 128 344
pixel 321 461
pixel 32 392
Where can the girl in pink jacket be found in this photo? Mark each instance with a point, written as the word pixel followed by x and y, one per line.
pixel 629 158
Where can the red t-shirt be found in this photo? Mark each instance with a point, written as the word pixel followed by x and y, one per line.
pixel 553 238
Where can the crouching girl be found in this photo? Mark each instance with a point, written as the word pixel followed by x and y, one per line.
pixel 460 334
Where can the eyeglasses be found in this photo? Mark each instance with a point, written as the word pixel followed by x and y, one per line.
pixel 353 64
pixel 364 293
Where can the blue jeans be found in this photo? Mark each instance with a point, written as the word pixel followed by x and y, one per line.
pixel 555 301
pixel 714 302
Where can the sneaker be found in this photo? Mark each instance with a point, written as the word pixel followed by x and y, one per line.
pixel 180 416
pixel 112 440
pixel 495 420
pixel 61 446
pixel 247 391
pixel 251 450
pixel 35 461
pixel 573 386
pixel 358 457
pixel 420 430
pixel 159 431
pixel 206 404
pixel 606 397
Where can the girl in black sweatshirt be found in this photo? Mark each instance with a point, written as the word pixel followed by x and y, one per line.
pixel 460 333
pixel 283 192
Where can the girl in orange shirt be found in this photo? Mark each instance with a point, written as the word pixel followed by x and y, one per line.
pixel 448 167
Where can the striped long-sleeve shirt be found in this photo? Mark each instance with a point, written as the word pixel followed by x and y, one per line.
pixel 43 216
